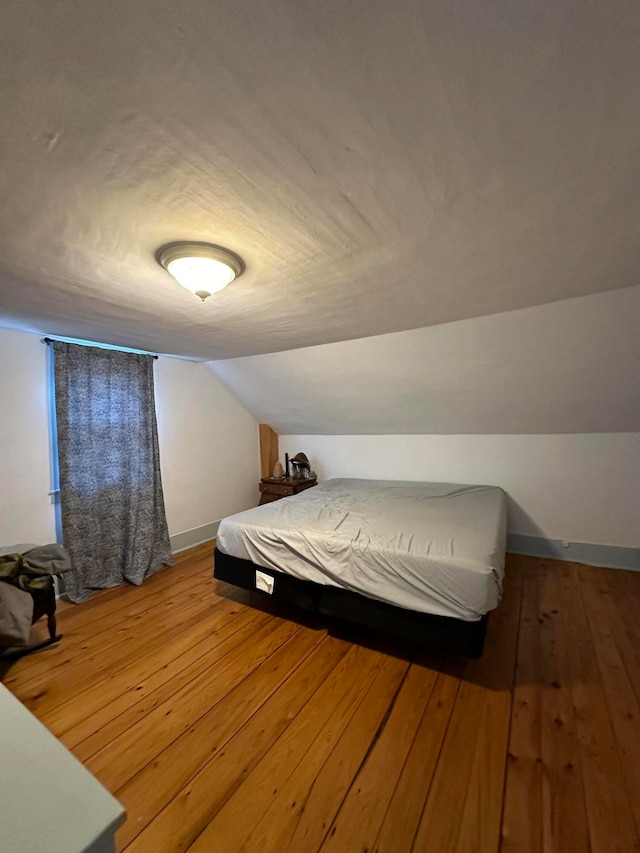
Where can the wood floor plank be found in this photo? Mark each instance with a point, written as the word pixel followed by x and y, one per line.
pixel 108 632
pixel 112 607
pixel 227 798
pixel 523 786
pixel 103 602
pixel 362 812
pixel 480 823
pixel 211 734
pixel 92 711
pixel 618 624
pixel 629 580
pixel 458 813
pixel 80 627
pixel 403 813
pixel 627 585
pixel 121 603
pixel 457 752
pixel 625 620
pixel 219 609
pixel 88 639
pixel 225 721
pixel 233 664
pixel 609 812
pixel 74 680
pixel 621 699
pixel 564 819
pixel 272 831
pixel 402 816
pixel 315 812
pixel 165 722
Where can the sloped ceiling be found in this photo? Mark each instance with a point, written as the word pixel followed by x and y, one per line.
pixel 379 166
pixel 573 366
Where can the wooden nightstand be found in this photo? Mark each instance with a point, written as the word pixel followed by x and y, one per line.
pixel 272 489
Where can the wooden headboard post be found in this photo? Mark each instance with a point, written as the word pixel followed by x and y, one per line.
pixel 268 449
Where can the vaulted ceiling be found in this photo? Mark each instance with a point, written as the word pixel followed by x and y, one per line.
pixel 379 166
pixel 570 366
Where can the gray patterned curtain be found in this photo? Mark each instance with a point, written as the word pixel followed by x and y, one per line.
pixel 113 517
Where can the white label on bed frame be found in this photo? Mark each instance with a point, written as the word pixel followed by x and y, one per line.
pixel 264 582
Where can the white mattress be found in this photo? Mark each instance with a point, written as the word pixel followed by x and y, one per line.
pixel 431 547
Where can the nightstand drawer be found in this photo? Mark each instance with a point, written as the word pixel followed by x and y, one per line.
pixel 273 490
pixel 277 489
pixel 267 499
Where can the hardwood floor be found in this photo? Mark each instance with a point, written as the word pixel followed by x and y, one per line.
pixel 224 722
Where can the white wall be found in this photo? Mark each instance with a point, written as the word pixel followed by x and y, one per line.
pixel 582 488
pixel 208 444
pixel 26 510
pixel 568 367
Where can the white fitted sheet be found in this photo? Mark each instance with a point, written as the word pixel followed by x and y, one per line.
pixel 431 547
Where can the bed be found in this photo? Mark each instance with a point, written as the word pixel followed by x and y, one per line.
pixel 424 561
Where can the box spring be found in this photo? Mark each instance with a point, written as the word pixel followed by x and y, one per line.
pixel 441 633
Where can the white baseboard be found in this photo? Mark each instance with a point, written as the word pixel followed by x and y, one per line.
pixel 609 556
pixel 196 536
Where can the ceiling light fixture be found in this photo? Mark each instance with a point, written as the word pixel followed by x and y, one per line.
pixel 200 267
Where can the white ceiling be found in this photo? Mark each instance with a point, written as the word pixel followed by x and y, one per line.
pixel 379 166
pixel 572 366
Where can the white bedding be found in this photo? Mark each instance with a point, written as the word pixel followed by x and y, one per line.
pixel 431 547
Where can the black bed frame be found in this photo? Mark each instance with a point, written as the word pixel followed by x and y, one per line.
pixel 443 633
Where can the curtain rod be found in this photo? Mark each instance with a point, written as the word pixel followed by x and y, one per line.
pixel 52 340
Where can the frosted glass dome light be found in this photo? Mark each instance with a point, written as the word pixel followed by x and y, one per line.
pixel 201 267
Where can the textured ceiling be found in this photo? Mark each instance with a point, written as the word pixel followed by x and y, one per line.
pixel 569 367
pixel 379 166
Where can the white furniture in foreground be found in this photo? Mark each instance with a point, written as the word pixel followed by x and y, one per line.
pixel 49 802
